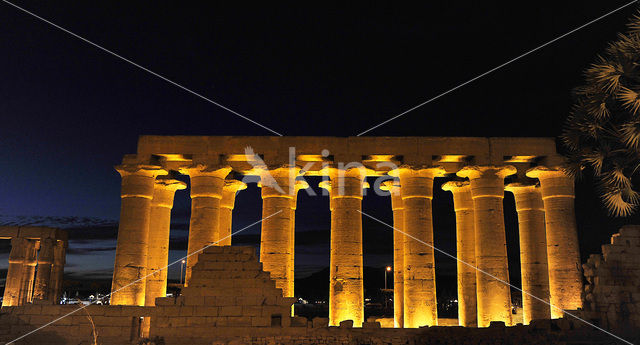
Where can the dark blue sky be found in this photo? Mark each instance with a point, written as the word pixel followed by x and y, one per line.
pixel 70 111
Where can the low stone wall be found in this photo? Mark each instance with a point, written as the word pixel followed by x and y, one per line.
pixel 72 324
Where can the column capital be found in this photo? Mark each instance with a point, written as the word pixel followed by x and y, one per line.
pixel 554 182
pixel 233 185
pixel 164 190
pixel 348 171
pixel 18 250
pixel 145 170
pixel 527 196
pixel 476 171
pixel 328 185
pixel 278 181
pixel 461 191
pixel 169 184
pixel 391 186
pixel 456 186
pixel 229 190
pixel 45 255
pixel 206 170
pixel 541 172
pixel 409 171
pixel 520 187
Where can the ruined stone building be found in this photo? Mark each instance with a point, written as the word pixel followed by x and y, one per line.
pixel 544 197
pixel 234 295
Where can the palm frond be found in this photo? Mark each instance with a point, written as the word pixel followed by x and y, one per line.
pixel 630 132
pixel 616 205
pixel 630 99
pixel 617 178
pixel 595 159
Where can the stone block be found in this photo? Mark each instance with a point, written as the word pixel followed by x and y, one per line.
pixel 346 324
pixel 194 300
pixel 230 311
pixel 298 321
pixel 260 321
pixel 630 231
pixel 320 322
pixel 496 324
pixel 369 324
pixel 205 311
pixel 239 321
pixel 165 301
pixel 186 311
pixel 252 311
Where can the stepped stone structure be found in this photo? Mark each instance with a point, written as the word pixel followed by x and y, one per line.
pixel 34 249
pixel 612 295
pixel 228 289
pixel 546 216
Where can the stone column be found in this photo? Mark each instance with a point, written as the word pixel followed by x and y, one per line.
pixel 229 191
pixel 346 290
pixel 398 251
pixel 533 251
pixel 14 273
pixel 420 305
pixel 492 279
pixel 207 183
pixel 57 270
pixel 28 272
pixel 128 285
pixel 159 229
pixel 42 290
pixel 278 188
pixel 466 252
pixel 565 275
pixel 294 201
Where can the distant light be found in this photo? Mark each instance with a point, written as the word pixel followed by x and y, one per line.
pixel 183 261
pixel 388 268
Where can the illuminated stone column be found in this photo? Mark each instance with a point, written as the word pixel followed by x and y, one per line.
pixel 207 183
pixel 398 251
pixel 42 290
pixel 159 229
pixel 278 188
pixel 294 201
pixel 128 285
pixel 346 290
pixel 565 275
pixel 420 306
pixel 533 251
pixel 466 252
pixel 14 273
pixel 487 191
pixel 229 191
pixel 57 269
pixel 28 272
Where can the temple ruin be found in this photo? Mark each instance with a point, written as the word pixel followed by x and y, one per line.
pixel 36 264
pixel 478 167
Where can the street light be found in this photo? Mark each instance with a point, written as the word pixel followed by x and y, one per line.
pixel 181 269
pixel 388 269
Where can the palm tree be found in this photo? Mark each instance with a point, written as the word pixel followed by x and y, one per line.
pixel 602 133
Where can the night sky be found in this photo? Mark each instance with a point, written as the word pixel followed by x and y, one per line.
pixel 69 111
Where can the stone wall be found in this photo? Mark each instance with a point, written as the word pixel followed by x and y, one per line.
pixel 99 324
pixel 612 295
